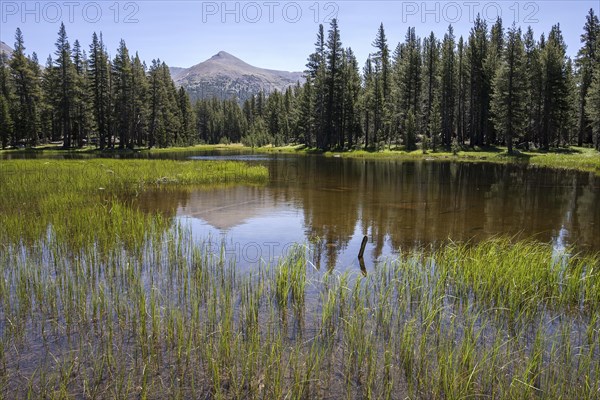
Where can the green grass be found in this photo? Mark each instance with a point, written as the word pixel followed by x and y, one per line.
pixel 173 319
pixel 577 158
pixel 58 149
pixel 92 201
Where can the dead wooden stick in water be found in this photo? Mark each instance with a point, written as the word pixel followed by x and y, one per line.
pixel 361 260
pixel 362 247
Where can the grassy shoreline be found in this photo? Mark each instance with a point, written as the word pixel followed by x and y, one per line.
pixel 574 158
pixel 91 201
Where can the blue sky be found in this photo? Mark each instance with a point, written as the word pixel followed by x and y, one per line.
pixel 270 34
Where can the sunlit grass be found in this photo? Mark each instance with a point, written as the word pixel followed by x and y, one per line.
pixel 90 202
pixel 51 149
pixel 578 158
pixel 174 319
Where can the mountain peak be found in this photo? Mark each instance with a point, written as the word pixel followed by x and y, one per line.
pixel 222 55
pixel 225 76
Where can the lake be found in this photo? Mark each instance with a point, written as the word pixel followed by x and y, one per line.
pixel 330 203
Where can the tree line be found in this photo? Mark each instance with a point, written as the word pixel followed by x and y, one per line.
pixel 498 86
pixel 81 98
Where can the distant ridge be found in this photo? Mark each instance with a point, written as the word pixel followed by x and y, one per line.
pixel 225 76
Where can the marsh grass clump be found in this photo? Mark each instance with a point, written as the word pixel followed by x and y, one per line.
pixel 172 318
pixel 290 278
pixel 92 202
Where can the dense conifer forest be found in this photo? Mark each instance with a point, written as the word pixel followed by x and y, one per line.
pixel 498 86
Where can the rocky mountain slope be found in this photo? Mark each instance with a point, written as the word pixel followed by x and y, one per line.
pixel 4 48
pixel 225 76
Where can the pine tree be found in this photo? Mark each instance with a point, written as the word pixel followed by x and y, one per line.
pixel 6 123
pixel 435 126
pixel 334 83
pixel 248 109
pixel 306 113
pixel 44 130
pixel 27 95
pixel 123 78
pixel 274 117
pixel 290 105
pixel 351 123
pixel 382 93
pixel 555 87
pixel 587 57
pixel 569 120
pixel 172 114
pixel 408 77
pixel 51 96
pixel 235 124
pixel 410 131
pixel 260 104
pixel 188 119
pixel 462 92
pixel 65 83
pixel 99 80
pixel 377 102
pixel 448 87
pixel 316 70
pixel 568 131
pixel 82 102
pixel 431 56
pixel 533 88
pixel 508 104
pixel 592 107
pixel 139 103
pixel 491 66
pixel 165 115
pixel 478 83
pixel 367 99
pixel 158 128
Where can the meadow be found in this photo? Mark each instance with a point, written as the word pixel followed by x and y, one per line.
pixel 99 299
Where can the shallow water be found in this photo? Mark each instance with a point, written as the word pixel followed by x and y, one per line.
pixel 330 203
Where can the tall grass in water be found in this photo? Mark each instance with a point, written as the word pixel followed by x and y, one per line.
pixel 171 319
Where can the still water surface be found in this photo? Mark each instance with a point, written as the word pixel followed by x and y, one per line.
pixel 331 203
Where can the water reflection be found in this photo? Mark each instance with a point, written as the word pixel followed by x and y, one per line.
pixel 330 203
